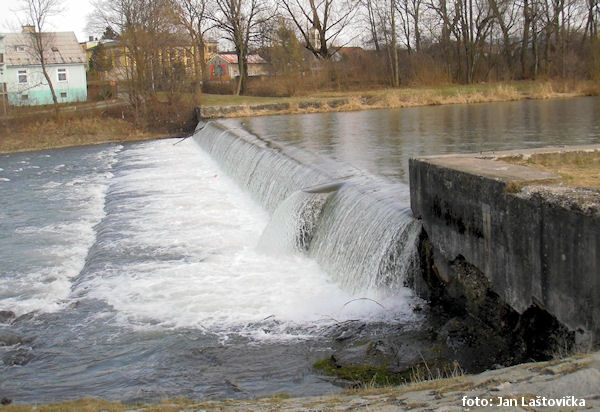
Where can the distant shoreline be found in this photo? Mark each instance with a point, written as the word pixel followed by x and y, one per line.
pixel 400 98
pixel 95 127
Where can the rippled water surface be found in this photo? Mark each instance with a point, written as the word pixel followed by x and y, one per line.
pixel 382 141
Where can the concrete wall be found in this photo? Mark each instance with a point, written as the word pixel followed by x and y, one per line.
pixel 534 245
pixel 36 89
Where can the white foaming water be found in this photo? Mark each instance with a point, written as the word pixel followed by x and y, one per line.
pixel 51 236
pixel 183 238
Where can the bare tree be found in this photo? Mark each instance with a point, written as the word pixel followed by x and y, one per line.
pixel 321 22
pixel 193 16
pixel 410 13
pixel 372 22
pixel 388 23
pixel 145 27
pixel 241 21
pixel 35 13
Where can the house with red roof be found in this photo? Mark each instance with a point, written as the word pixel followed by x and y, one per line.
pixel 224 66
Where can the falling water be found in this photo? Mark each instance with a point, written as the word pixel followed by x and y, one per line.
pixel 358 227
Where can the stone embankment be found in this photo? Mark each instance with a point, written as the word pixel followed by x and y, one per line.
pixel 214 112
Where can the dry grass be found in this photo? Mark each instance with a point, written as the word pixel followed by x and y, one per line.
pixel 577 169
pixel 50 133
pixel 83 405
pixel 410 96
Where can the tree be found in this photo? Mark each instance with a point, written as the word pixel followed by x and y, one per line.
pixel 144 28
pixel 286 53
pixel 192 15
pixel 99 60
pixel 382 20
pixel 35 13
pixel 109 34
pixel 372 23
pixel 241 20
pixel 321 22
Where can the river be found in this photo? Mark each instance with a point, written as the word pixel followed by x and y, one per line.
pixel 151 270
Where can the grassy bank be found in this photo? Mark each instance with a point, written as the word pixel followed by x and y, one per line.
pixel 421 96
pixel 577 169
pixel 50 133
pixel 27 130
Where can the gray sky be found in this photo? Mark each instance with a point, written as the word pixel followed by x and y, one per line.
pixel 73 18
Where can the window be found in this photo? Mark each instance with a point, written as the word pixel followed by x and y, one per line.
pixel 22 76
pixel 1 57
pixel 63 95
pixel 24 97
pixel 62 75
pixel 20 48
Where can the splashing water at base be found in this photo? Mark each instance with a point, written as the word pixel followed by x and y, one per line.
pixel 178 247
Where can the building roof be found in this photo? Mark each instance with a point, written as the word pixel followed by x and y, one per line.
pixel 233 59
pixel 61 48
pixel 90 44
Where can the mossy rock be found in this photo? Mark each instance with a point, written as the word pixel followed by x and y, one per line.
pixel 361 375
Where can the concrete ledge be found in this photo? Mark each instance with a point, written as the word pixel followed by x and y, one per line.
pixel 538 245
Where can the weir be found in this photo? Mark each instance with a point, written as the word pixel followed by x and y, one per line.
pixel 359 228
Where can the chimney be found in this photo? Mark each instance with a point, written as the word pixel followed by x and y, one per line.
pixel 29 28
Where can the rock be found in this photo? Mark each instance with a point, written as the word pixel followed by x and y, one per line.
pixel 337 103
pixel 365 354
pixel 5 401
pixel 10 339
pixel 6 316
pixel 306 105
pixel 270 107
pixel 347 330
pixel 18 357
pixel 25 317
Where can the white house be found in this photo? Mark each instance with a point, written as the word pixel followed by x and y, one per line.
pixel 21 71
pixel 225 66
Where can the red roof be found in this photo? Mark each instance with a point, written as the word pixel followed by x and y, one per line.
pixel 252 58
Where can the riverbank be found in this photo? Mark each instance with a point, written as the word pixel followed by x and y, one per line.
pixel 568 384
pixel 68 132
pixel 239 106
pixel 26 132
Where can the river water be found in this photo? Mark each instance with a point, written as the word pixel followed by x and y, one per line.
pixel 202 269
pixel 382 141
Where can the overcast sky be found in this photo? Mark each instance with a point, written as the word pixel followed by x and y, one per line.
pixel 73 18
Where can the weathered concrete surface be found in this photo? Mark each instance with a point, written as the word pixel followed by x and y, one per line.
pixel 537 243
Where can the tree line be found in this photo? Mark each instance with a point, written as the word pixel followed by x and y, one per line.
pixel 407 41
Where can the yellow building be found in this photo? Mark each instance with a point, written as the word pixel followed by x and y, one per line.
pixel 117 56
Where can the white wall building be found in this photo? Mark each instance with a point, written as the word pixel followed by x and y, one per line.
pixel 21 71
